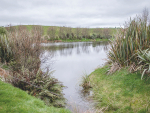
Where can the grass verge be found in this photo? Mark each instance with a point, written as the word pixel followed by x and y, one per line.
pixel 14 100
pixel 121 92
pixel 84 40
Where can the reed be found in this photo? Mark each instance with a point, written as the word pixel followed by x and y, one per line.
pixel 85 83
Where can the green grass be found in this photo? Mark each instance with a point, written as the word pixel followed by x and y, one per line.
pixel 14 100
pixel 120 92
pixel 84 40
pixel 112 30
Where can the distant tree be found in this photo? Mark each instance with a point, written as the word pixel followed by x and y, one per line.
pixel 60 32
pixel 51 32
pixel 98 31
pixel 78 32
pixel 37 30
pixel 85 32
pixel 64 32
pixel 68 32
pixel 106 32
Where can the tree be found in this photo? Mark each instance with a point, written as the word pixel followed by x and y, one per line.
pixel 106 32
pixel 51 32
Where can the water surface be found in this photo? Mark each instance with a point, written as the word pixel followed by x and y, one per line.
pixel 71 62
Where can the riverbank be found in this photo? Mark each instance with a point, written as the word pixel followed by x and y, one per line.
pixel 14 100
pixel 120 92
pixel 84 40
pixel 77 40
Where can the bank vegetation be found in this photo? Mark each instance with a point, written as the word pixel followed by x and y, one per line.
pixel 123 84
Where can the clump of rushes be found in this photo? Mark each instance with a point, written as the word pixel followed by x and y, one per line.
pixel 85 83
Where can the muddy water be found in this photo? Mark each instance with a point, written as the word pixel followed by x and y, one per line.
pixel 71 61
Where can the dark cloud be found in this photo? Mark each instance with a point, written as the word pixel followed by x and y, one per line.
pixel 83 13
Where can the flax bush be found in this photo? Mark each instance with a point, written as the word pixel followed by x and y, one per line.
pixel 128 40
pixel 130 47
pixel 144 62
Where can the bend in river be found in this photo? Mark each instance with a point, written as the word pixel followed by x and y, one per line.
pixel 71 62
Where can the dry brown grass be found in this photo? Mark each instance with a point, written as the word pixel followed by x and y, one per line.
pixel 3 74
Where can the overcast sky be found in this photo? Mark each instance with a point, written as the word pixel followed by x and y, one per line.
pixel 72 13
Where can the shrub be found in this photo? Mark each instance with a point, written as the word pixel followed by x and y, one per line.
pixel 51 33
pixel 24 46
pixel 2 31
pixel 144 64
pixel 40 85
pixel 6 54
pixel 128 40
pixel 106 32
pixel 94 36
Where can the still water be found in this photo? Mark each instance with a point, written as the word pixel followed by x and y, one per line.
pixel 71 61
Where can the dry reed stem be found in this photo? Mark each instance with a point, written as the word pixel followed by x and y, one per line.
pixel 4 74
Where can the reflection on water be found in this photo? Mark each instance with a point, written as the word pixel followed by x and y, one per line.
pixel 71 61
pixel 65 49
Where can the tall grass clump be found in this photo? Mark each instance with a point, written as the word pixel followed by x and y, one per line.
pixel 134 36
pixel 85 83
pixel 5 51
pixel 21 51
pixel 2 31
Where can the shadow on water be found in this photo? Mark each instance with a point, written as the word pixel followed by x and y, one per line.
pixel 71 61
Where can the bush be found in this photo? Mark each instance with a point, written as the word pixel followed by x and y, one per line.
pixel 2 31
pixel 40 85
pixel 6 54
pixel 128 41
pixel 23 50
pixel 94 36
pixel 144 64
pixel 51 32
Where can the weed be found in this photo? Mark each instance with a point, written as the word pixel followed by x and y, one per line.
pixel 85 83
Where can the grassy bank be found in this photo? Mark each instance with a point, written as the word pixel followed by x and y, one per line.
pixel 121 92
pixel 82 40
pixel 14 100
pixel 91 30
pixel 53 33
pixel 23 59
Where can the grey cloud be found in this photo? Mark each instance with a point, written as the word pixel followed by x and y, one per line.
pixel 83 13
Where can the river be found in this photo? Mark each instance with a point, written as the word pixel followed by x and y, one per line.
pixel 71 61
